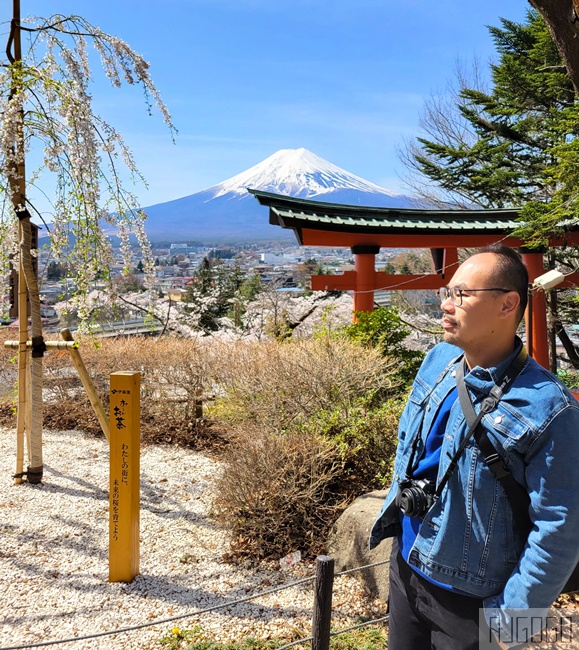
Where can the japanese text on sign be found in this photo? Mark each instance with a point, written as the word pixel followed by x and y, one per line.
pixel 115 515
pixel 119 413
pixel 125 464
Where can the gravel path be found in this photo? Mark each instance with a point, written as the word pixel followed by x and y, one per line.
pixel 54 556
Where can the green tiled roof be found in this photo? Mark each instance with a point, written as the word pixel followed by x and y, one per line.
pixel 296 214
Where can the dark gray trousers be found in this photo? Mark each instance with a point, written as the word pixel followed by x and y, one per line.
pixel 426 617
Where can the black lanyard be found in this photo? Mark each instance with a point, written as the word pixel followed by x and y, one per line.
pixel 416 442
pixel 488 404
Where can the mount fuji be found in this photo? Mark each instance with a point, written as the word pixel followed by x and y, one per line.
pixel 228 213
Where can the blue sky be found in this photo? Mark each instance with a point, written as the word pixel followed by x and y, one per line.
pixel 244 78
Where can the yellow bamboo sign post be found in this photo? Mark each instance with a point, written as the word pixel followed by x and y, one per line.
pixel 124 476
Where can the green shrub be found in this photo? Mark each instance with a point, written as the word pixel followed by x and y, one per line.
pixel 570 378
pixel 384 330
pixel 314 428
pixel 277 386
pixel 365 439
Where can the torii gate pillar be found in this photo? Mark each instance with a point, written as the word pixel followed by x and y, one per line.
pixel 365 267
pixel 536 313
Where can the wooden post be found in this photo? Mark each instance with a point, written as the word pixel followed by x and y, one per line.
pixel 322 616
pixel 536 314
pixel 124 527
pixel 365 265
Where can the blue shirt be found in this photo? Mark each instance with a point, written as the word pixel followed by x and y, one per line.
pixel 427 468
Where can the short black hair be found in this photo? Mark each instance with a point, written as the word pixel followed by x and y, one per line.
pixel 510 272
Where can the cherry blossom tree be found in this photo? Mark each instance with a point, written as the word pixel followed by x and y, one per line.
pixel 47 114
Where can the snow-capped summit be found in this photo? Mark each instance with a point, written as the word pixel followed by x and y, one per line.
pixel 228 212
pixel 295 172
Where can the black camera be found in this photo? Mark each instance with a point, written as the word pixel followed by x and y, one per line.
pixel 415 497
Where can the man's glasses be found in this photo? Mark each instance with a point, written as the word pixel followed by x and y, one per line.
pixel 455 293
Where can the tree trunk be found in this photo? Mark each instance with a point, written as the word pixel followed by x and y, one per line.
pixel 562 17
pixel 33 406
pixel 570 349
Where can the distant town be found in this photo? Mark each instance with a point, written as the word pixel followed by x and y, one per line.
pixel 285 265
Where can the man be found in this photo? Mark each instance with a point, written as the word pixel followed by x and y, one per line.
pixel 459 545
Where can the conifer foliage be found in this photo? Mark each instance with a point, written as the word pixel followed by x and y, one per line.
pixel 562 16
pixel 513 144
pixel 496 148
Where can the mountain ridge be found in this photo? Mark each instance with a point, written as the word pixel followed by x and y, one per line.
pixel 226 212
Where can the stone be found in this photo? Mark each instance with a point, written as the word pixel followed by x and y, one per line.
pixel 348 543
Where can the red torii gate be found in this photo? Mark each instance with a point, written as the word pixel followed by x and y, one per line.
pixel 365 230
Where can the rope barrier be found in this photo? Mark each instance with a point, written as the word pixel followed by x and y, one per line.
pixel 229 603
pixel 133 628
pixel 344 631
pixel 298 642
pixel 358 568
pixel 360 625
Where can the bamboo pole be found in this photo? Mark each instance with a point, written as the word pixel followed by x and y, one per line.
pixel 50 345
pixel 35 404
pixel 87 383
pixel 22 374
pixel 29 403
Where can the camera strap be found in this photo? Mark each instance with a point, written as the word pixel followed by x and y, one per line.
pixel 417 439
pixel 491 457
pixel 516 493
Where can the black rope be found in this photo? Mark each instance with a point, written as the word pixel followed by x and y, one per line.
pixel 382 619
pixel 38 347
pixel 214 608
pixel 133 628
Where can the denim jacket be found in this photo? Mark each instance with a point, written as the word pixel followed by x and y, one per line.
pixel 468 539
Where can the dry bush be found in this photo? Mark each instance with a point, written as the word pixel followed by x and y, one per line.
pixel 278 385
pixel 173 374
pixel 290 402
pixel 274 494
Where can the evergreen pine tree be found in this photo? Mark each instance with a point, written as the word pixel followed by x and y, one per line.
pixel 513 145
pixel 502 144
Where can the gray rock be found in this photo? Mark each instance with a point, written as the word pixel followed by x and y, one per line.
pixel 348 543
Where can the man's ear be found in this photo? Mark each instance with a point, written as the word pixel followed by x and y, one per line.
pixel 510 304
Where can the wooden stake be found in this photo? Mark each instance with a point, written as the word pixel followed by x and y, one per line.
pixel 21 415
pixel 322 615
pixel 87 383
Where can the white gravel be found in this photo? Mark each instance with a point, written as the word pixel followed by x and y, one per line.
pixel 54 556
